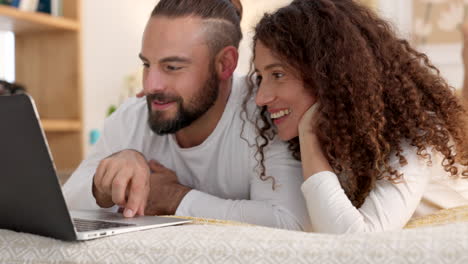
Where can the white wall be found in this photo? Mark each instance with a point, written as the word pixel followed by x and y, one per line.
pixel 447 58
pixel 112 31
pixel 7 56
pixel 253 12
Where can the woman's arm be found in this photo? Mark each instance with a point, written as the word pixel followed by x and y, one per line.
pixel 312 156
pixel 389 206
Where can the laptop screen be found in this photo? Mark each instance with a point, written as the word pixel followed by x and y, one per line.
pixel 30 196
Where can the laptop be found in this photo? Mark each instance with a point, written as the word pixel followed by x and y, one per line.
pixel 31 198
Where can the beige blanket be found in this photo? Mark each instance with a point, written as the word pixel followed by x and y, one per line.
pixel 211 241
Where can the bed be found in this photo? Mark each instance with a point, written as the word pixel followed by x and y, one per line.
pixel 438 238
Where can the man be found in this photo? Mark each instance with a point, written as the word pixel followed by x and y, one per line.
pixel 180 151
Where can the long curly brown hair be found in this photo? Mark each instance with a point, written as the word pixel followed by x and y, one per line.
pixel 374 91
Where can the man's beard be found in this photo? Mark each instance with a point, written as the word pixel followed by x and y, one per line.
pixel 198 105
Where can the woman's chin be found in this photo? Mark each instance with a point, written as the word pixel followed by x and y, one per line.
pixel 285 136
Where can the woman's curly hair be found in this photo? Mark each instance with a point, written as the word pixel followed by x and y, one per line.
pixel 374 91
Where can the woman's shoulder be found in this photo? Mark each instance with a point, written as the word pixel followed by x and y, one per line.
pixel 427 160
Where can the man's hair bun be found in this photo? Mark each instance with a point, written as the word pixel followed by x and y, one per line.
pixel 238 5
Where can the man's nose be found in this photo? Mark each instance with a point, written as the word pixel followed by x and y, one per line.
pixel 154 81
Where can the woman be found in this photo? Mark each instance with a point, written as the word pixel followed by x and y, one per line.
pixel 379 132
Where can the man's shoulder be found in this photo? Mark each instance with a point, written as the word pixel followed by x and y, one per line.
pixel 131 114
pixel 127 127
pixel 133 104
pixel 239 89
pixel 131 108
pixel 241 99
pixel 242 105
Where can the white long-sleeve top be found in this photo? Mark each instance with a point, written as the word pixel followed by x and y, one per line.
pixel 222 171
pixel 424 189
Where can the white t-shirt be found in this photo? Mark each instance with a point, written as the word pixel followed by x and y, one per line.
pixel 424 190
pixel 222 171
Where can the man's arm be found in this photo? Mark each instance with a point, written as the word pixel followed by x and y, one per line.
pixel 123 179
pixel 282 207
pixel 79 190
pixel 166 192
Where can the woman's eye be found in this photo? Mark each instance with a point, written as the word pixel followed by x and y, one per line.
pixel 278 75
pixel 146 65
pixel 258 80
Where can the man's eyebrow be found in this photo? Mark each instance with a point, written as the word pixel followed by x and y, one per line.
pixel 142 57
pixel 168 59
pixel 175 59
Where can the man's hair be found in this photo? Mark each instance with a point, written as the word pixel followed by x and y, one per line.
pixel 221 18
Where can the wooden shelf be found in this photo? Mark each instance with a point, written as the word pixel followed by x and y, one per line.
pixel 48 63
pixel 51 125
pixel 12 19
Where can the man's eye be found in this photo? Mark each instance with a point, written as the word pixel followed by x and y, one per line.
pixel 258 80
pixel 172 68
pixel 146 65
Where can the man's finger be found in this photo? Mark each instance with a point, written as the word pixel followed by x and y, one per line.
pixel 108 178
pixel 138 195
pixel 99 175
pixel 140 94
pixel 156 166
pixel 141 211
pixel 119 186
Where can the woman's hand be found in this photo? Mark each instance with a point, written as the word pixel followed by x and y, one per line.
pixel 312 156
pixel 307 124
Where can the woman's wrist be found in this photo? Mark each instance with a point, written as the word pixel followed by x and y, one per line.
pixel 312 156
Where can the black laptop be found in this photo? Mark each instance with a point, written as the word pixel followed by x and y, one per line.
pixel 31 198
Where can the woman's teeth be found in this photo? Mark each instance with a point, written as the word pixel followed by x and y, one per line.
pixel 280 114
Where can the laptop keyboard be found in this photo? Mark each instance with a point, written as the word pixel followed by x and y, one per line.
pixel 83 225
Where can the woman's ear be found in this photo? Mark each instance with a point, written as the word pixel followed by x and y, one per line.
pixel 226 62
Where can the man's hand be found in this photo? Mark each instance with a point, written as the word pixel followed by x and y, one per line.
pixel 140 94
pixel 123 179
pixel 166 191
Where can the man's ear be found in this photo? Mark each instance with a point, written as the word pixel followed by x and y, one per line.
pixel 226 62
